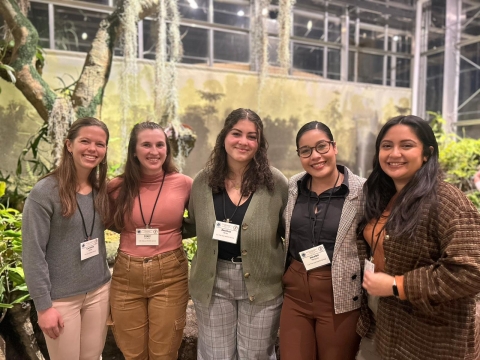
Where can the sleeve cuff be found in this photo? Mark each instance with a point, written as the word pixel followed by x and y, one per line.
pixel 43 303
pixel 401 290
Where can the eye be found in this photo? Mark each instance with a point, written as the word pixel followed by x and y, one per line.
pixel 84 141
pixel 102 145
pixel 304 151
pixel 252 137
pixel 161 145
pixel 236 133
pixel 386 146
pixel 322 146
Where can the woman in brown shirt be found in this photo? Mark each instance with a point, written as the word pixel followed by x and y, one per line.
pixel 422 251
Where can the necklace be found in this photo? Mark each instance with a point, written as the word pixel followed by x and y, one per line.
pixel 235 185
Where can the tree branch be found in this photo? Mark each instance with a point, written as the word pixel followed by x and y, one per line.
pixel 88 94
pixel 23 59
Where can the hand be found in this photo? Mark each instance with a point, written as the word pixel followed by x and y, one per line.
pixel 378 284
pixel 51 322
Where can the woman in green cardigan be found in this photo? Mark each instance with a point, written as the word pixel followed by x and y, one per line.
pixel 237 203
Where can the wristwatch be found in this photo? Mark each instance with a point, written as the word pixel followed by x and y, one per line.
pixel 395 288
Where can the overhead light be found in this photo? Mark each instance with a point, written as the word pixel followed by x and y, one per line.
pixel 309 25
pixel 84 36
pixel 265 11
pixel 395 38
pixel 240 13
pixel 193 4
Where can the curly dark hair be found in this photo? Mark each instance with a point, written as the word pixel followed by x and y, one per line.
pixel 258 171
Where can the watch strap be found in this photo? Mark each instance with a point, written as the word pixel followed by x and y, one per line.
pixel 395 288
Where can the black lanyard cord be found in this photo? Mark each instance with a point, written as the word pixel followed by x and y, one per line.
pixel 88 237
pixel 224 211
pixel 154 205
pixel 375 243
pixel 325 212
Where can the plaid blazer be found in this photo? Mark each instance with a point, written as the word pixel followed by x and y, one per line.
pixel 441 268
pixel 346 275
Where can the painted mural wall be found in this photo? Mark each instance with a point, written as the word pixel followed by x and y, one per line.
pixel 354 112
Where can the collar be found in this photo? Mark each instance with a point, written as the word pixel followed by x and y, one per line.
pixel 304 182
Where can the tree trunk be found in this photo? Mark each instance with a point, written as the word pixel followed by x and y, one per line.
pixel 22 326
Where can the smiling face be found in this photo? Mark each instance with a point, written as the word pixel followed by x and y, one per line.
pixel 401 154
pixel 151 151
pixel 319 166
pixel 241 143
pixel 88 149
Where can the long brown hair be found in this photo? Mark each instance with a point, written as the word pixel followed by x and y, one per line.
pixel 257 173
pixel 129 187
pixel 66 173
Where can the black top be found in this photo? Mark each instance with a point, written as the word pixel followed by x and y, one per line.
pixel 226 251
pixel 304 219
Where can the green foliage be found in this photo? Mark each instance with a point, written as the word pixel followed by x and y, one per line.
pixel 190 247
pixel 458 157
pixel 13 289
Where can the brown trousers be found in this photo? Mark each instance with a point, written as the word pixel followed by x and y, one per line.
pixel 309 327
pixel 148 303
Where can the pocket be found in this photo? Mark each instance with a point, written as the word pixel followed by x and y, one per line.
pixel 177 334
pixel 295 285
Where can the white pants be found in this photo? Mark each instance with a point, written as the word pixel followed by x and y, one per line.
pixel 85 326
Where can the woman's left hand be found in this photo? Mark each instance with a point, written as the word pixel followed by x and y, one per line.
pixel 378 284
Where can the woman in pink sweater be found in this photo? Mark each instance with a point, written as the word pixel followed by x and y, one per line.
pixel 149 291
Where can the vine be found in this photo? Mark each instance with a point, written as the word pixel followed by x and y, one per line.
pixel 285 22
pixel 260 40
pixel 129 42
pixel 59 121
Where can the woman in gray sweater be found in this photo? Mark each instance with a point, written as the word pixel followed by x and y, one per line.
pixel 64 254
pixel 236 278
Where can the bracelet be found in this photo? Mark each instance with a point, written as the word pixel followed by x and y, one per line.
pixel 395 288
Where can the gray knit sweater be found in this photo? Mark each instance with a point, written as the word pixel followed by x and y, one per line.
pixel 51 247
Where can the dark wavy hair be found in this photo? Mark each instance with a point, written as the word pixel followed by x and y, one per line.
pixel 379 187
pixel 130 184
pixel 66 173
pixel 256 174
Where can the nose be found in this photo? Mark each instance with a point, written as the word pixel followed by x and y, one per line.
pixel 396 151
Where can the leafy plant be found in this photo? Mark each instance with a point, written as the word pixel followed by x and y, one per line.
pixel 190 247
pixel 13 289
pixel 459 157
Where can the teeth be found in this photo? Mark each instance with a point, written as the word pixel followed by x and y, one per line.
pixel 396 164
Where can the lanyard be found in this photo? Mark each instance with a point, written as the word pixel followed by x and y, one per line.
pixel 375 243
pixel 87 237
pixel 154 205
pixel 227 220
pixel 324 213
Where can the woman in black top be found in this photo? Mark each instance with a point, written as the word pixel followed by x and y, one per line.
pixel 322 283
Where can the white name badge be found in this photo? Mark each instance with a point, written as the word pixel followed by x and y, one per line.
pixel 226 232
pixel 369 266
pixel 146 237
pixel 88 249
pixel 314 257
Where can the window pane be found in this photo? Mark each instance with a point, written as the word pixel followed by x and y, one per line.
pixel 334 31
pixel 400 43
pixel 434 91
pixel 308 27
pixel 194 41
pixel 351 66
pixel 193 9
pixel 308 58
pixel 370 68
pixel 436 38
pixel 351 33
pixel 75 28
pixel 273 51
pixel 232 14
pixel 333 65
pixel 469 83
pixel 402 73
pixel 371 39
pixel 38 15
pixel 230 47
